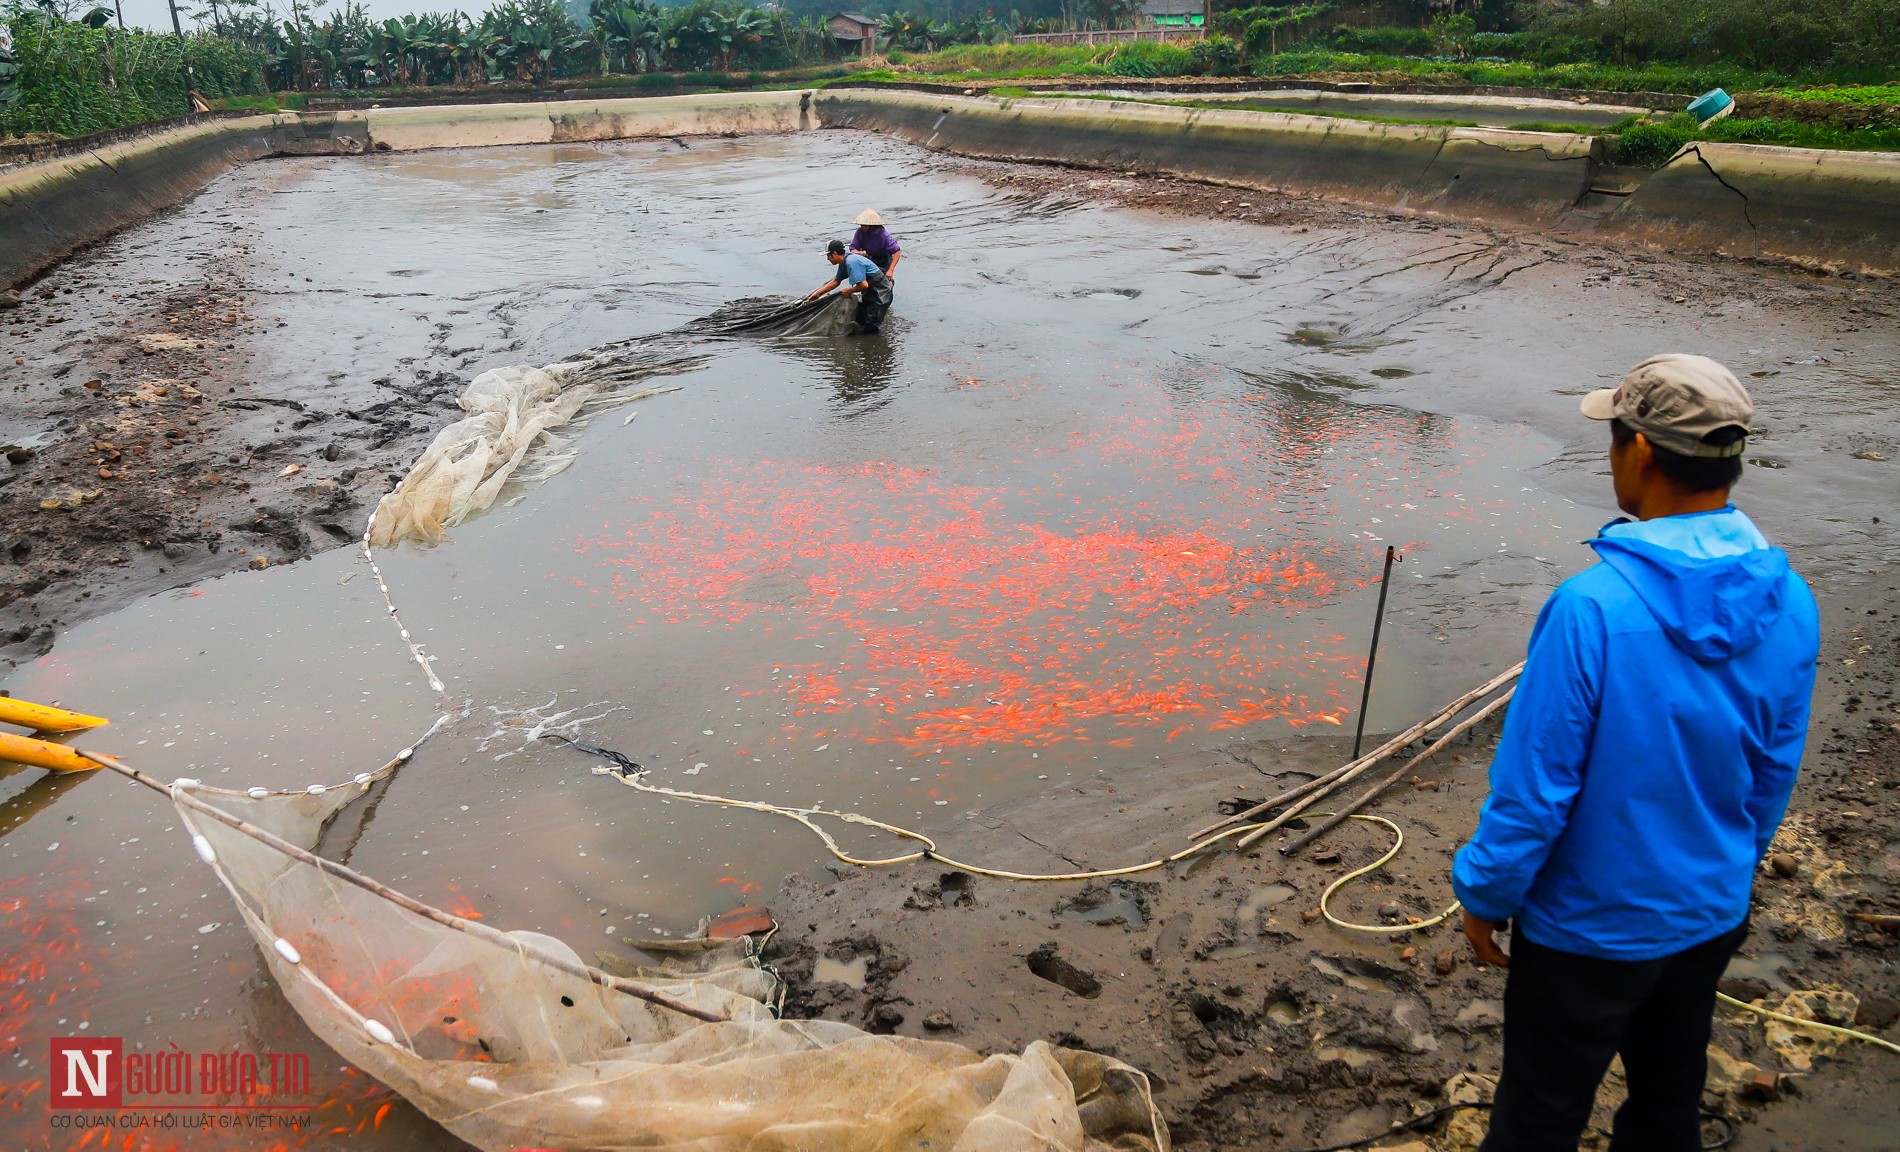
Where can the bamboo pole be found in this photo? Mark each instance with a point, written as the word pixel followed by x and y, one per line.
pixel 1342 815
pixel 447 920
pixel 1343 773
pixel 1360 768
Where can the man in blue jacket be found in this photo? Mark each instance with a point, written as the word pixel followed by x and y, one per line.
pixel 1645 765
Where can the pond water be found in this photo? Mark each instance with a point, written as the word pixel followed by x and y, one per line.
pixel 1110 486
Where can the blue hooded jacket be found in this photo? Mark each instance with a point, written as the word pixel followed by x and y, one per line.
pixel 1649 752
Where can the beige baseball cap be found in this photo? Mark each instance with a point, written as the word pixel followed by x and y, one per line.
pixel 1676 400
pixel 869 219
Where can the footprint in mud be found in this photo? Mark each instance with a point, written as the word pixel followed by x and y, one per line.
pixel 1114 903
pixel 1106 293
pixel 1044 962
pixel 955 889
pixel 1393 373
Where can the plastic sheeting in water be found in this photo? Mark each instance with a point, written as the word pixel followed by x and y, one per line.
pixel 503 1040
pixel 521 419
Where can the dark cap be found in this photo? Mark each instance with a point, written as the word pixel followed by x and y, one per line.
pixel 1676 401
pixel 835 248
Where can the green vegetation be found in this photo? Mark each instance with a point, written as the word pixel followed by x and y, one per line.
pixel 75 77
pixel 1011 60
pixel 248 104
pixel 1651 145
pixel 1676 46
pixel 1655 77
pixel 1575 129
pixel 1796 58
pixel 1860 94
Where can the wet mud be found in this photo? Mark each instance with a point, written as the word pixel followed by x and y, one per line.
pixel 152 445
pixel 1085 546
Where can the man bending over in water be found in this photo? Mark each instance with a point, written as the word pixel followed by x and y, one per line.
pixel 862 279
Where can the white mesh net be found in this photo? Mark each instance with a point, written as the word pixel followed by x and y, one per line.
pixel 508 1041
pixel 521 420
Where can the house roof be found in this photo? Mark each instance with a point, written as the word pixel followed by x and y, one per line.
pixel 858 16
pixel 1172 7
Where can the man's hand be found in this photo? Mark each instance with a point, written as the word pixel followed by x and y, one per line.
pixel 1484 941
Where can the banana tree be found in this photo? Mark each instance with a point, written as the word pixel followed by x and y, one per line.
pixel 9 78
pixel 626 34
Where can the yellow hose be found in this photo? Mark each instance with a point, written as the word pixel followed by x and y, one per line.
pixel 929 851
pixel 1398 842
pixel 1811 1025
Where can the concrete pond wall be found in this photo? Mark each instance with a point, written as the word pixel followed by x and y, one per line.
pixel 1837 209
pixel 1520 178
pixel 49 207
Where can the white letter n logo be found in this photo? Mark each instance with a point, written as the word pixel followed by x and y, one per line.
pixel 92 1072
pixel 77 1066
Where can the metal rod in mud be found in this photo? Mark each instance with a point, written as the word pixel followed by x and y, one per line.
pixel 1373 793
pixel 409 904
pixel 1372 656
pixel 1342 774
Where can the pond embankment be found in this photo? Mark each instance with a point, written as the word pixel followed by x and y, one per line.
pixel 1828 209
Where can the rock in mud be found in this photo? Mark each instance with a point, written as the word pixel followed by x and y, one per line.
pixel 886 1018
pixel 1762 1084
pixel 1877 1011
pixel 1747 989
pixel 939 1021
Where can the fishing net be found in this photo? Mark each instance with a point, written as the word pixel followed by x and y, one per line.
pixel 521 421
pixel 509 1041
pixel 780 316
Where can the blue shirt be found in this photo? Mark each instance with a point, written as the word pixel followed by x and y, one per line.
pixel 855 268
pixel 1648 755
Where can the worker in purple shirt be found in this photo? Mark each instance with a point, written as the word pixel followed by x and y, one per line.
pixel 874 240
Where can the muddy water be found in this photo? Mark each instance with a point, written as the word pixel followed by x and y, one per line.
pixel 1112 486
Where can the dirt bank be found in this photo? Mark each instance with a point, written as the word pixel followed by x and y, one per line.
pixel 1263 1026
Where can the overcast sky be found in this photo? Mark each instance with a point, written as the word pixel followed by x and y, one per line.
pixel 154 14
